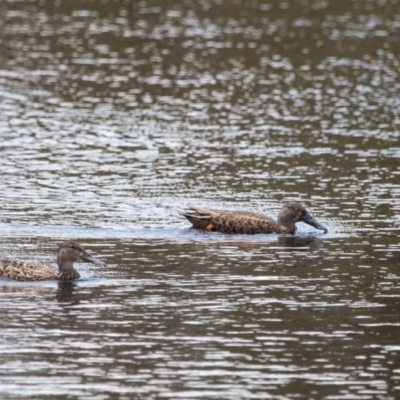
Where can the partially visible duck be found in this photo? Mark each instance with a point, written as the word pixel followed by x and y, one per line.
pixel 31 270
pixel 248 222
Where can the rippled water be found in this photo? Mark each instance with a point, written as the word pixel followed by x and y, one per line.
pixel 114 116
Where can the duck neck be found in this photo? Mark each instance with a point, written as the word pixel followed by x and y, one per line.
pixel 64 265
pixel 69 275
pixel 66 270
pixel 288 225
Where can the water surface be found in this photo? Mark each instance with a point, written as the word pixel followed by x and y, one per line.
pixel 114 116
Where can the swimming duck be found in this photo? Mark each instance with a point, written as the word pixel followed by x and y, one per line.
pixel 30 270
pixel 248 222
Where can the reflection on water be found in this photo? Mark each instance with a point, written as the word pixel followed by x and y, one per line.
pixel 116 115
pixel 65 292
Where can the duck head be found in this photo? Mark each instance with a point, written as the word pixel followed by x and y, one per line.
pixel 293 212
pixel 70 252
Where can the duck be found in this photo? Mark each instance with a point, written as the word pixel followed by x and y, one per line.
pixel 246 222
pixel 31 270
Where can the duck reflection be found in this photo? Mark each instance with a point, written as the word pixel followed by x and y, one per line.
pixel 297 242
pixel 64 293
pixel 64 290
pixel 288 243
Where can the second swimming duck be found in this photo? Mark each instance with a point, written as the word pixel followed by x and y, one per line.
pixel 249 222
pixel 30 270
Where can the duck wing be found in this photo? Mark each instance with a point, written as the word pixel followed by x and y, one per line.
pixel 26 270
pixel 230 221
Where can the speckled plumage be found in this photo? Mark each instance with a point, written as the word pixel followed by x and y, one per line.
pixel 31 270
pixel 244 222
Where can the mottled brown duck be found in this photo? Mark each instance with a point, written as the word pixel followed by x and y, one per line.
pixel 30 270
pixel 248 222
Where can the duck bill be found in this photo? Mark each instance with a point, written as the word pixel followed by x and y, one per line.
pixel 85 256
pixel 313 222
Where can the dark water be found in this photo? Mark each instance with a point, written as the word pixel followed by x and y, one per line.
pixel 115 115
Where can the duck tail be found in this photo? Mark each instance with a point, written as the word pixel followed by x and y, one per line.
pixel 198 217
